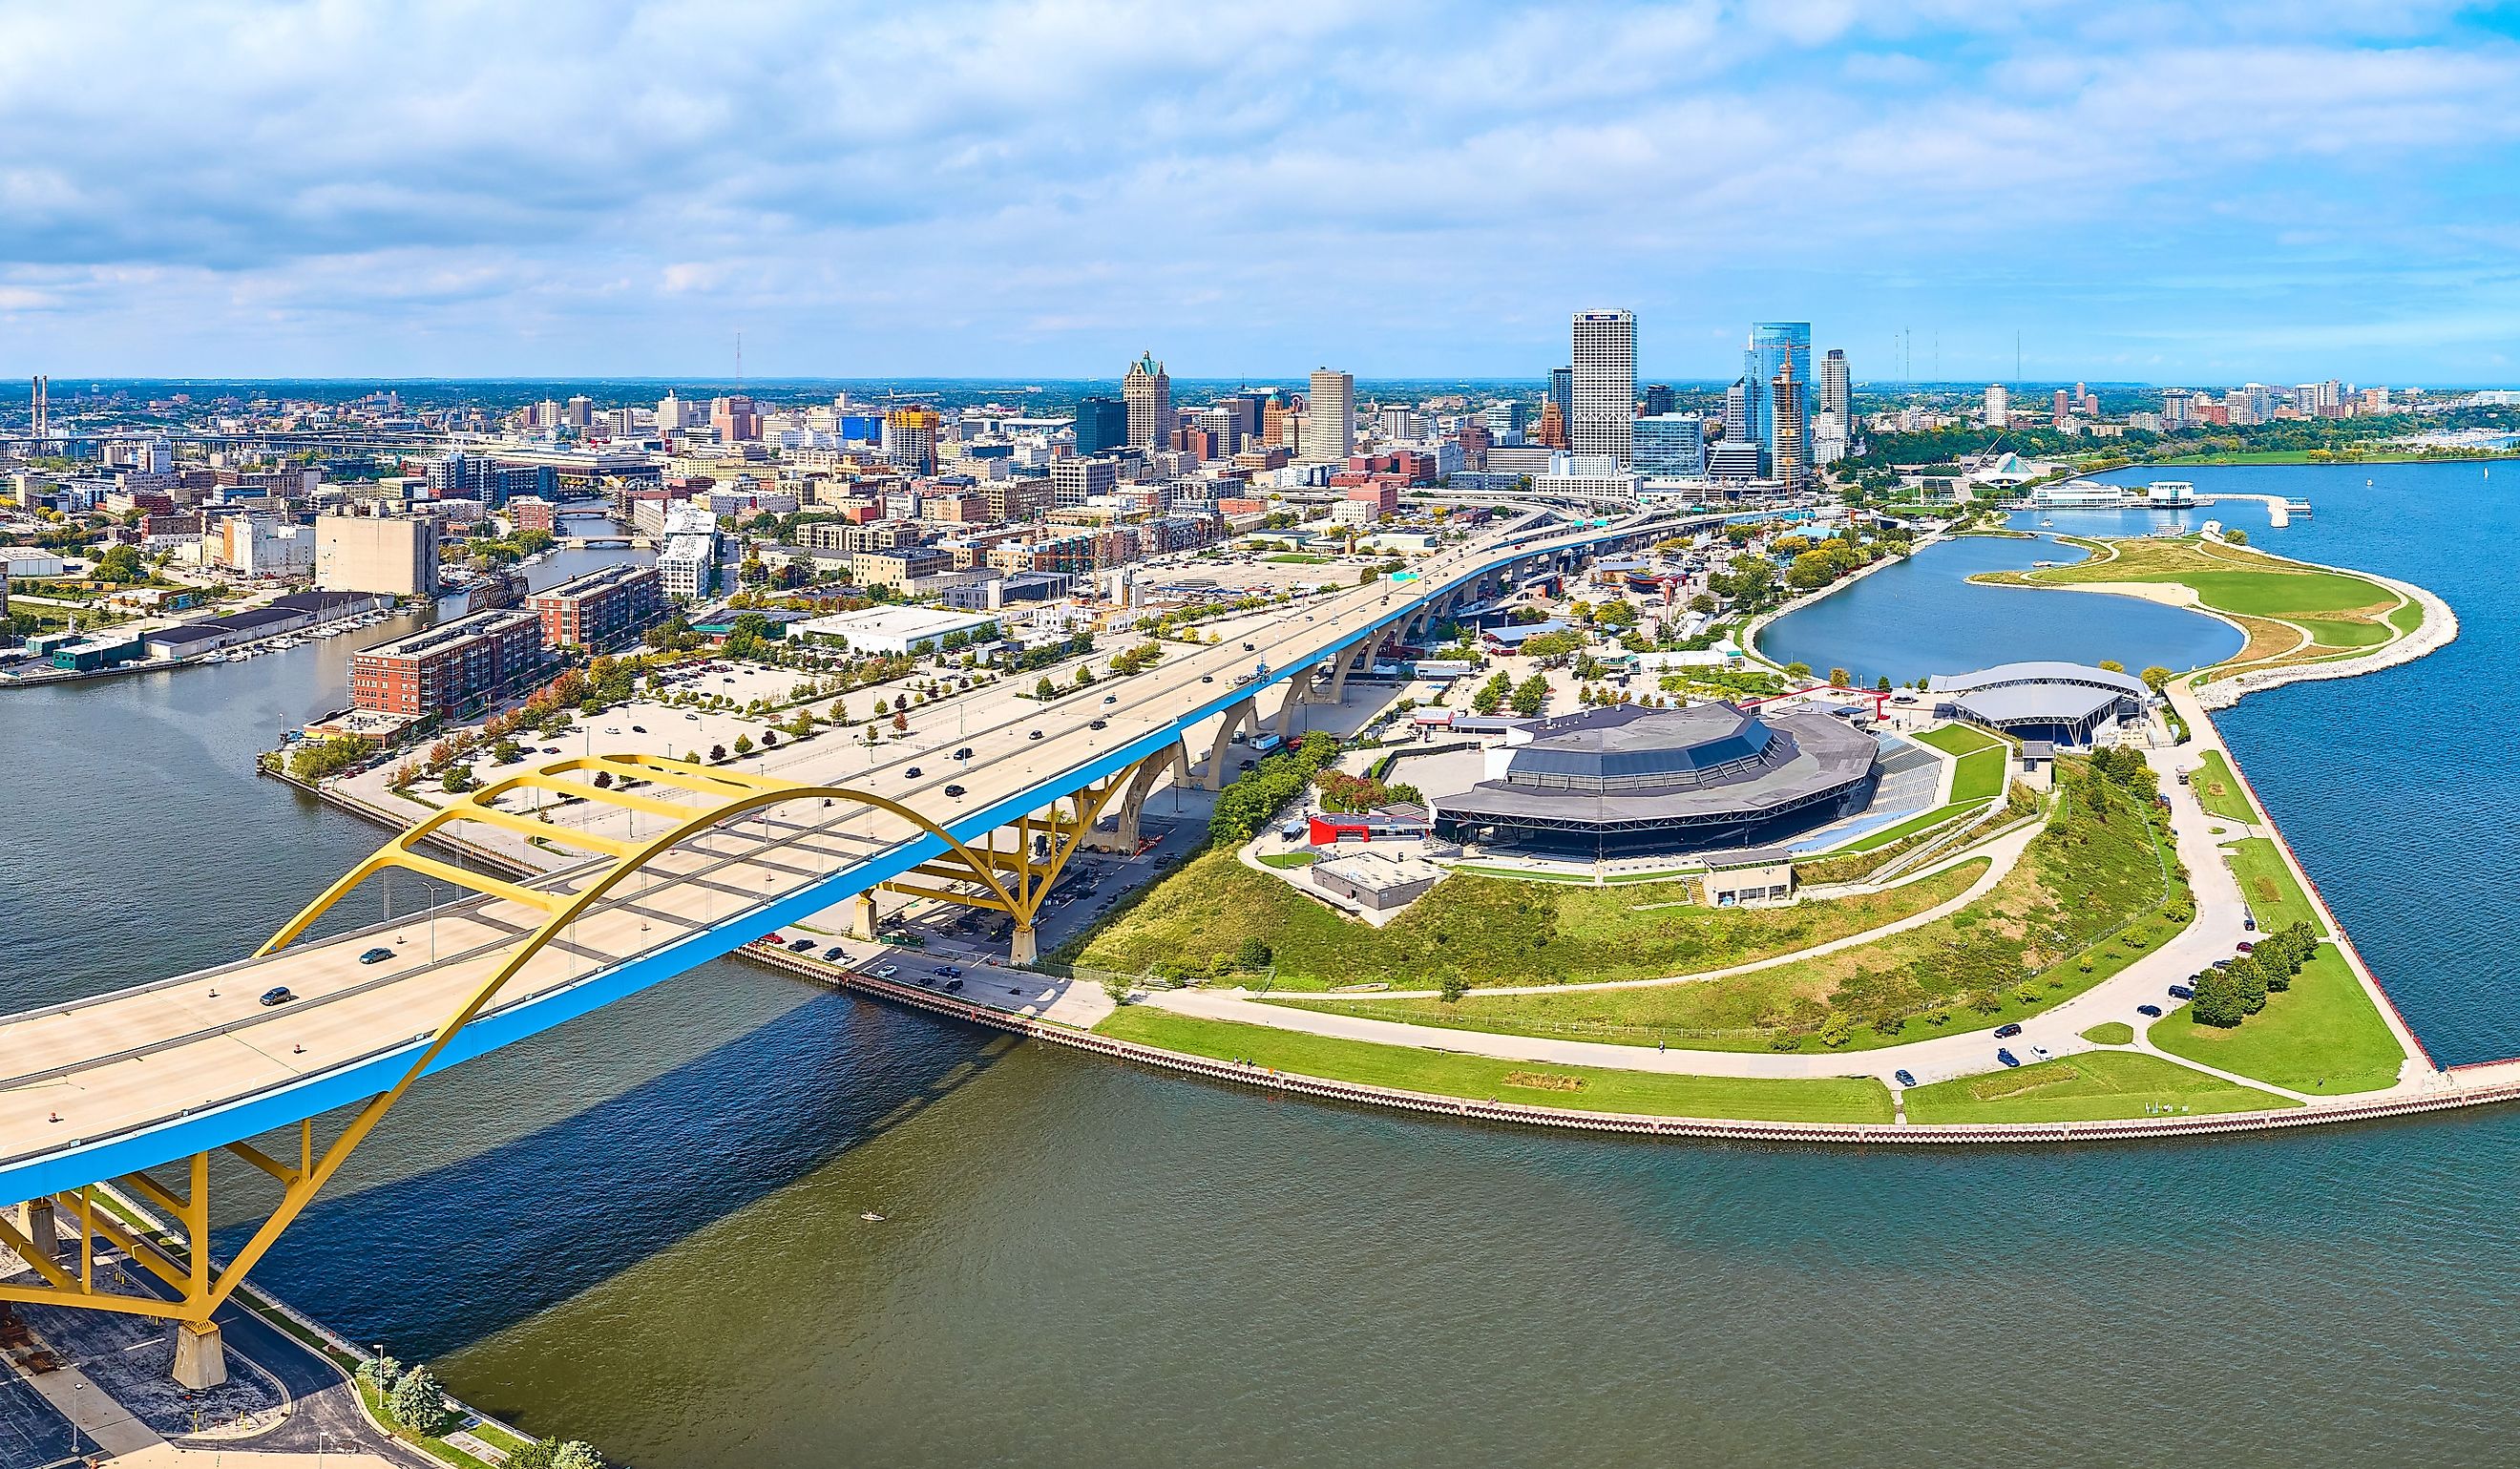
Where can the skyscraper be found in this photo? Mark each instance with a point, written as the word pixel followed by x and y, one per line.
pixel 1787 396
pixel 1329 418
pixel 1658 400
pixel 1148 392
pixel 1604 386
pixel 1671 446
pixel 1736 410
pixel 1999 406
pixel 910 438
pixel 1102 424
pixel 1837 387
pixel 1773 344
pixel 1561 391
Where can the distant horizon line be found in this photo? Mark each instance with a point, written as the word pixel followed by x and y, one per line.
pixel 1253 380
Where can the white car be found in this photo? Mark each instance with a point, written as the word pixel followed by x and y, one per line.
pixel 885 971
pixel 2040 1051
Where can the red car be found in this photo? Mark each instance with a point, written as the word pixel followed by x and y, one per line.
pixel 771 938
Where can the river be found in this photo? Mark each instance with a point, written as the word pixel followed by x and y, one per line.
pixel 642 1227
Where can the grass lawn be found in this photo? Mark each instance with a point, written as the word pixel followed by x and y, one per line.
pixel 1579 1087
pixel 2110 1032
pixel 1959 740
pixel 2323 1035
pixel 2092 1087
pixel 2408 617
pixel 2267 885
pixel 1285 860
pixel 2337 608
pixel 1487 930
pixel 2219 790
pixel 1873 841
pixel 2015 951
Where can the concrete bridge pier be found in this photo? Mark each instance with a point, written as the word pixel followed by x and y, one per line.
pixel 1244 715
pixel 864 913
pixel 1299 692
pixel 34 1218
pixel 201 1361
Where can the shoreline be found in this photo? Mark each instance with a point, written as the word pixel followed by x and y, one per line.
pixel 2451 1093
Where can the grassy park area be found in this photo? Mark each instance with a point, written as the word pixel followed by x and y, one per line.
pixel 2323 1035
pixel 2094 1086
pixel 2219 790
pixel 1982 756
pixel 2088 897
pixel 2268 887
pixel 2337 609
pixel 1532 1083
pixel 1481 930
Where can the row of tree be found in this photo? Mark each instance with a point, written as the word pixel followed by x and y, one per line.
pixel 1247 804
pixel 2232 993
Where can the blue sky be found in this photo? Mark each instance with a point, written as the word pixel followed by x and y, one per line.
pixel 2149 192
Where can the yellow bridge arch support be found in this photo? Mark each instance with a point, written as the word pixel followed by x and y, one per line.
pixel 1015 881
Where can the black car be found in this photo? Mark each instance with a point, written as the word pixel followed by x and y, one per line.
pixel 1100 723
pixel 910 774
pixel 953 984
pixel 1904 1077
pixel 2007 1032
pixel 2007 1058
pixel 1036 735
pixel 2182 992
pixel 1250 648
pixel 277 994
pixel 964 753
pixel 802 946
pixel 376 955
pixel 638 728
pixel 835 954
pixel 955 791
pixel 950 971
pixel 1111 698
pixel 2148 1009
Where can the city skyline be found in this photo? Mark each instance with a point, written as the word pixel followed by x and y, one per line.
pixel 2199 197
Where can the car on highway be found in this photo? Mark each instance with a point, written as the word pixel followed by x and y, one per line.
pixel 1904 1077
pixel 2153 1010
pixel 1207 678
pixel 277 994
pixel 2007 1058
pixel 953 984
pixel 638 728
pixel 1036 735
pixel 1100 723
pixel 690 715
pixel 802 945
pixel 1250 648
pixel 955 791
pixel 912 774
pixel 1111 698
pixel 950 971
pixel 886 971
pixel 964 753
pixel 2006 1032
pixel 376 955
pixel 2182 992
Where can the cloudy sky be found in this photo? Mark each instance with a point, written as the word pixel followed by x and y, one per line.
pixel 2148 192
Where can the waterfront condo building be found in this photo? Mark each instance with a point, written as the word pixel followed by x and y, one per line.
pixel 1604 386
pixel 451 668
pixel 601 609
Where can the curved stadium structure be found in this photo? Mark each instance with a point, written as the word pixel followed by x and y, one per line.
pixel 1629 780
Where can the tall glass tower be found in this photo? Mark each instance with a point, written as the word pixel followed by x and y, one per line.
pixel 1606 385
pixel 1771 345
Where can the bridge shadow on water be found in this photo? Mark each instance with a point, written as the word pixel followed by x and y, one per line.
pixel 438 1260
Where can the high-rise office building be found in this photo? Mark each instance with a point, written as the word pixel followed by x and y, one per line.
pixel 1329 418
pixel 1102 424
pixel 1551 433
pixel 1605 387
pixel 1773 344
pixel 1148 392
pixel 1737 412
pixel 1671 446
pixel 1660 399
pixel 1837 387
pixel 1999 406
pixel 1788 450
pixel 1561 391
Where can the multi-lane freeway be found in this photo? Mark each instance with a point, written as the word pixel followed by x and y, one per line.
pixel 99 1088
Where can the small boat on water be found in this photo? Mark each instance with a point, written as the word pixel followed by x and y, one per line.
pixel 872 1218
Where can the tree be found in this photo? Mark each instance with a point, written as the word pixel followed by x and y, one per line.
pixel 717 752
pixel 1798 670
pixel 457 779
pixel 2112 665
pixel 1045 690
pixel 1492 695
pixel 381 1372
pixel 1703 603
pixel 121 563
pixel 507 752
pixel 744 745
pixel 2217 1000
pixel 2156 677
pixel 901 723
pixel 604 780
pixel 1530 694
pixel 1453 988
pixel 419 1404
pixel 1839 678
pixel 1881 684
pixel 1115 988
pixel 1253 954
pixel 2235 537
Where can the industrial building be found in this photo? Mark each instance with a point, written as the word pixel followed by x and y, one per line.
pixel 887 631
pixel 395 555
